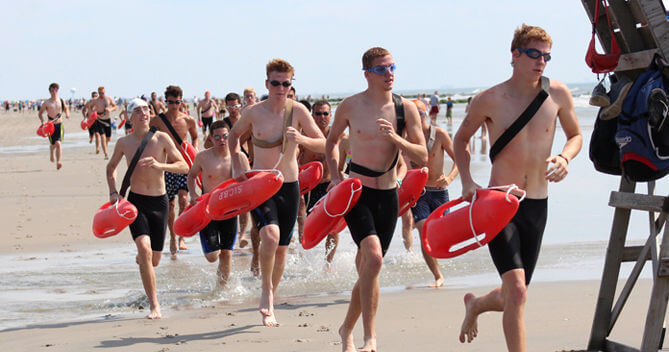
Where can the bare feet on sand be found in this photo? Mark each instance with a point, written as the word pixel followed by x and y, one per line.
pixel 58 166
pixel 469 328
pixel 267 309
pixel 437 283
pixel 347 344
pixel 182 244
pixel 155 313
pixel 243 241
pixel 370 345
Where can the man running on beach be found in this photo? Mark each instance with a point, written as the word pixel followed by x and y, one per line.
pixel 525 161
pixel 321 115
pixel 372 119
pixel 275 147
pixel 104 105
pixel 436 194
pixel 147 193
pixel 206 109
pixel 218 237
pixel 55 108
pixel 176 183
pixel 87 110
pixel 157 106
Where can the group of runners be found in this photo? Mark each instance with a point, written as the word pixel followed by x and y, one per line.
pixel 387 135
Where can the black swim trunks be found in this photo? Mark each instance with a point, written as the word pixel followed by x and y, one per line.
pixel 280 210
pixel 94 128
pixel 517 245
pixel 374 214
pixel 104 127
pixel 428 202
pixel 175 182
pixel 219 234
pixel 58 133
pixel 312 197
pixel 152 213
pixel 206 122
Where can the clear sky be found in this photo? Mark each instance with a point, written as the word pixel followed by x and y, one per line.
pixel 135 47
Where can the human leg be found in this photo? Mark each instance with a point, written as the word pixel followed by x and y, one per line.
pixel 331 242
pixel 370 267
pixel 429 260
pixel 146 264
pixel 269 235
pixel 182 196
pixel 407 226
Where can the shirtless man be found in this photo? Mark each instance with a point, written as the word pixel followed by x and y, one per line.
pixel 275 147
pixel 249 97
pixel 525 161
pixel 157 106
pixel 86 111
pixel 176 183
pixel 375 146
pixel 436 194
pixel 218 237
pixel 206 109
pixel 55 107
pixel 321 114
pixel 104 105
pixel 147 193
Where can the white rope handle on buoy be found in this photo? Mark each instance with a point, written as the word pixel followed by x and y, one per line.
pixel 350 199
pixel 509 188
pixel 119 214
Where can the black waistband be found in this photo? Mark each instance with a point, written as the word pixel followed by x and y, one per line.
pixel 359 169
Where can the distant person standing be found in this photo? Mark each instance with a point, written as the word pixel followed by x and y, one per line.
pixel 449 110
pixel 434 107
pixel 54 108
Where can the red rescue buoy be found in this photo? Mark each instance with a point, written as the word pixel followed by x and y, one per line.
pixel 310 176
pixel 240 197
pixel 84 126
pixel 90 120
pixel 121 123
pixel 329 211
pixel 411 189
pixel 199 123
pixel 194 218
pixel 188 152
pixel 46 129
pixel 341 225
pixel 111 219
pixel 450 235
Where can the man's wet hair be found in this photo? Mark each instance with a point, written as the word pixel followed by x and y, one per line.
pixel 279 65
pixel 306 104
pixel 231 97
pixel 95 92
pixel 173 91
pixel 371 54
pixel 320 103
pixel 54 85
pixel 525 34
pixel 218 124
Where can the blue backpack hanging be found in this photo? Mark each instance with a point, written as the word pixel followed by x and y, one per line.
pixel 644 145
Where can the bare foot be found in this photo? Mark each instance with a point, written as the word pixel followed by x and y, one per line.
pixel 58 166
pixel 370 345
pixel 469 328
pixel 182 244
pixel 243 241
pixel 173 246
pixel 106 157
pixel 267 309
pixel 347 344
pixel 97 151
pixel 52 158
pixel 437 283
pixel 155 313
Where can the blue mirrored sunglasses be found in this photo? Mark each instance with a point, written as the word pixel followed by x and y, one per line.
pixel 535 54
pixel 381 69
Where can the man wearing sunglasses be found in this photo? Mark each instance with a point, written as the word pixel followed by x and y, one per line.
pixel 206 108
pixel 525 161
pixel 157 106
pixel 275 147
pixel 104 105
pixel 218 237
pixel 373 117
pixel 176 184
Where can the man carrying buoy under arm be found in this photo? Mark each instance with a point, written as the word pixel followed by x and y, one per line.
pixel 373 118
pixel 525 161
pixel 147 185
pixel 55 108
pixel 275 147
pixel 218 237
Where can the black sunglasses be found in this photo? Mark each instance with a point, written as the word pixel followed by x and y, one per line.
pixel 275 83
pixel 535 54
pixel 324 113
pixel 173 101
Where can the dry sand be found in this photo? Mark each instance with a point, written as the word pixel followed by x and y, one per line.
pixel 45 210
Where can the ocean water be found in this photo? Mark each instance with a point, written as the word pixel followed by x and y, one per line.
pixel 46 287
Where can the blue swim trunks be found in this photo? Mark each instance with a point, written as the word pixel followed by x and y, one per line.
pixel 428 202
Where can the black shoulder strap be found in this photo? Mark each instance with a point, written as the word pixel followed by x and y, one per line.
pixel 172 130
pixel 521 121
pixel 62 105
pixel 126 179
pixel 399 113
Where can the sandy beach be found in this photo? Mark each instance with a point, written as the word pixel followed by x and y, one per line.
pixel 47 213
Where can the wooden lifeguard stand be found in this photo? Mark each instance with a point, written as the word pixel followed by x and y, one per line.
pixel 641 29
